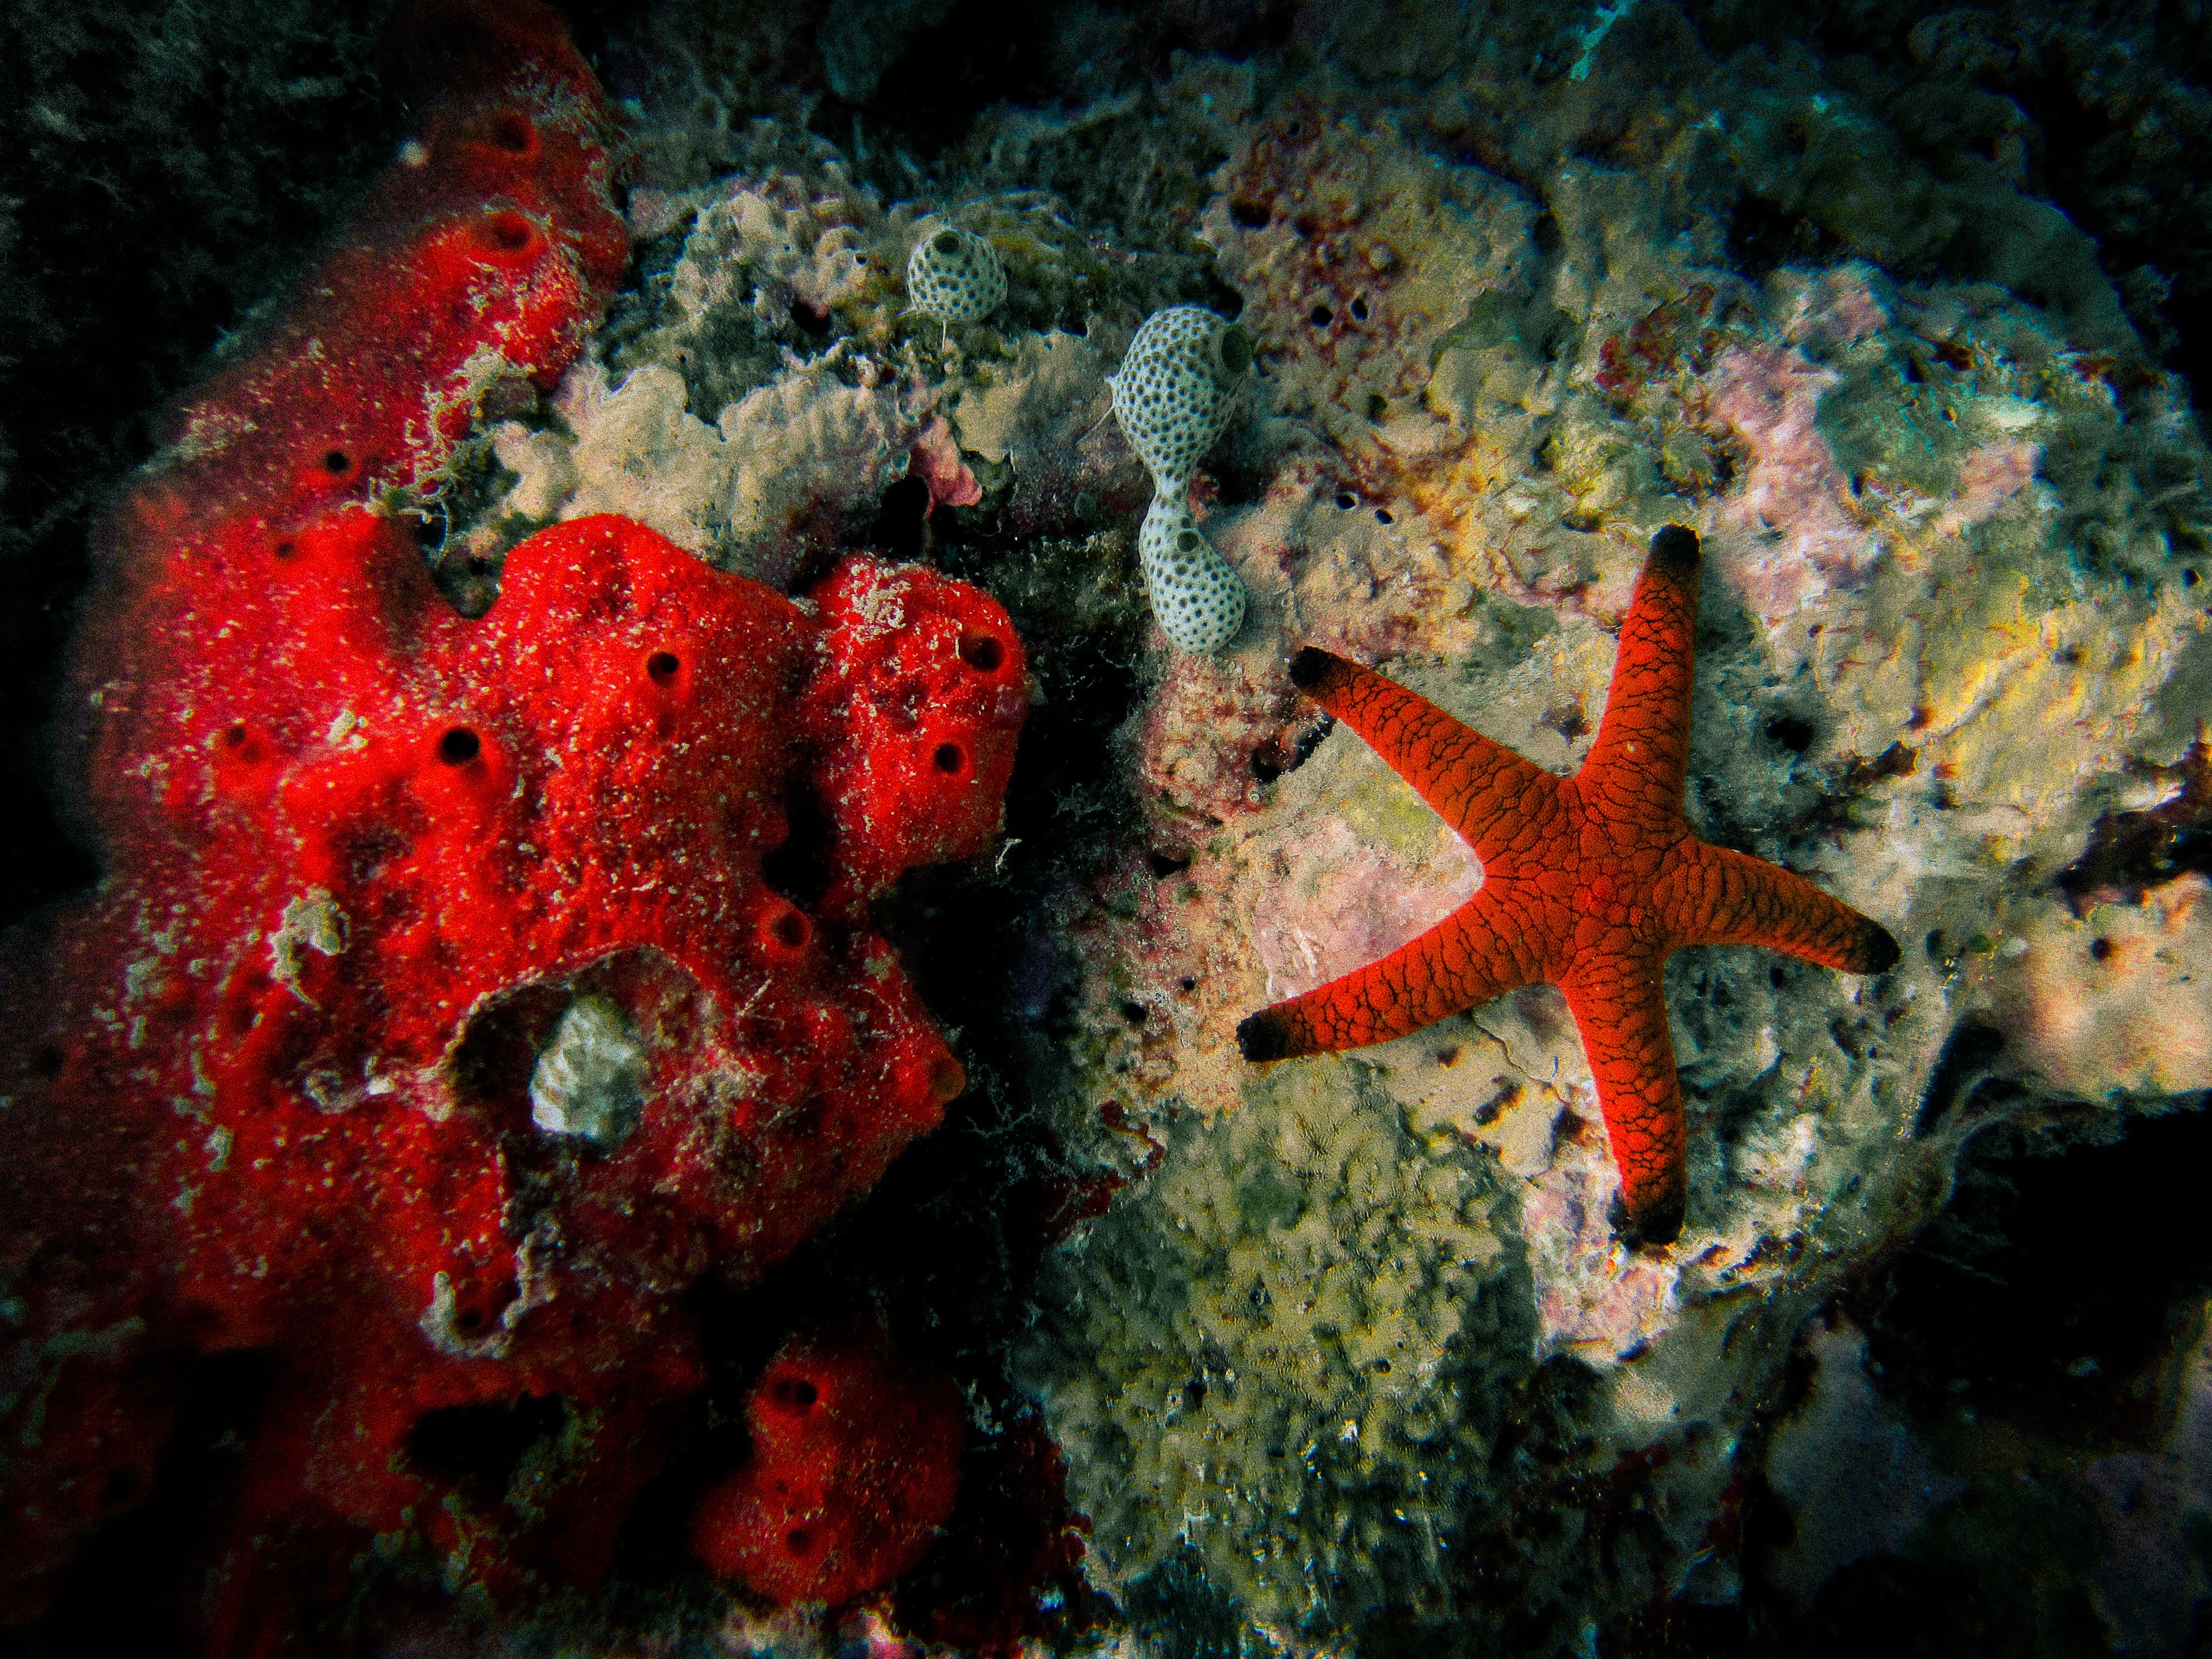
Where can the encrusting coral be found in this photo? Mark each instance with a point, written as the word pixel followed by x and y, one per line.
pixel 460 991
pixel 1591 882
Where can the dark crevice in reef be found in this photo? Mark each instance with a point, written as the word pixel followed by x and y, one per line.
pixel 2129 853
pixel 2045 1293
pixel 2102 112
pixel 1964 1073
pixel 2037 1324
pixel 982 53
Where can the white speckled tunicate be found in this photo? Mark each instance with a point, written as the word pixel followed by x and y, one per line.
pixel 1178 388
pixel 1199 600
pixel 590 1080
pixel 954 275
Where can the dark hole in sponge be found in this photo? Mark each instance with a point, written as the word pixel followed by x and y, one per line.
pixel 800 868
pixel 798 1392
pixel 950 759
pixel 459 746
pixel 798 1540
pixel 791 929
pixel 482 1446
pixel 505 233
pixel 660 668
pixel 982 652
pixel 336 461
pixel 511 130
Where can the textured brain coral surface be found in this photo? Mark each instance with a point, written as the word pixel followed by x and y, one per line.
pixel 459 991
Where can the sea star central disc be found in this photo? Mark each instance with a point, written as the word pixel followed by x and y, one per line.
pixel 1588 882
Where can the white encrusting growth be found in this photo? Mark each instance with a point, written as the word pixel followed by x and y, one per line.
pixel 589 1081
pixel 1174 394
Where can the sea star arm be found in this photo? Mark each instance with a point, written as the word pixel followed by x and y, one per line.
pixel 1635 764
pixel 1476 786
pixel 1461 961
pixel 1715 897
pixel 1621 1015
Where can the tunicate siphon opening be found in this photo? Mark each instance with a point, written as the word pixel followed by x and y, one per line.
pixel 1188 540
pixel 1236 351
pixel 947 242
pixel 459 746
pixel 511 130
pixel 790 929
pixel 982 653
pixel 500 232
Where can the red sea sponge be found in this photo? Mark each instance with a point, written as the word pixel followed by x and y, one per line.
pixel 450 1005
pixel 855 1464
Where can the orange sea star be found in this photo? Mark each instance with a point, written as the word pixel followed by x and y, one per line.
pixel 1589 882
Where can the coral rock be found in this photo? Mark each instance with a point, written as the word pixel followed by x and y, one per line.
pixel 855 1464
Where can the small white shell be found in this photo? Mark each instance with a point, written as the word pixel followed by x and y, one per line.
pixel 589 1081
pixel 1178 388
pixel 954 275
pixel 1199 600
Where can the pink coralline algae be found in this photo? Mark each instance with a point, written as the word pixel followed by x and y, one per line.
pixel 460 991
pixel 1791 518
